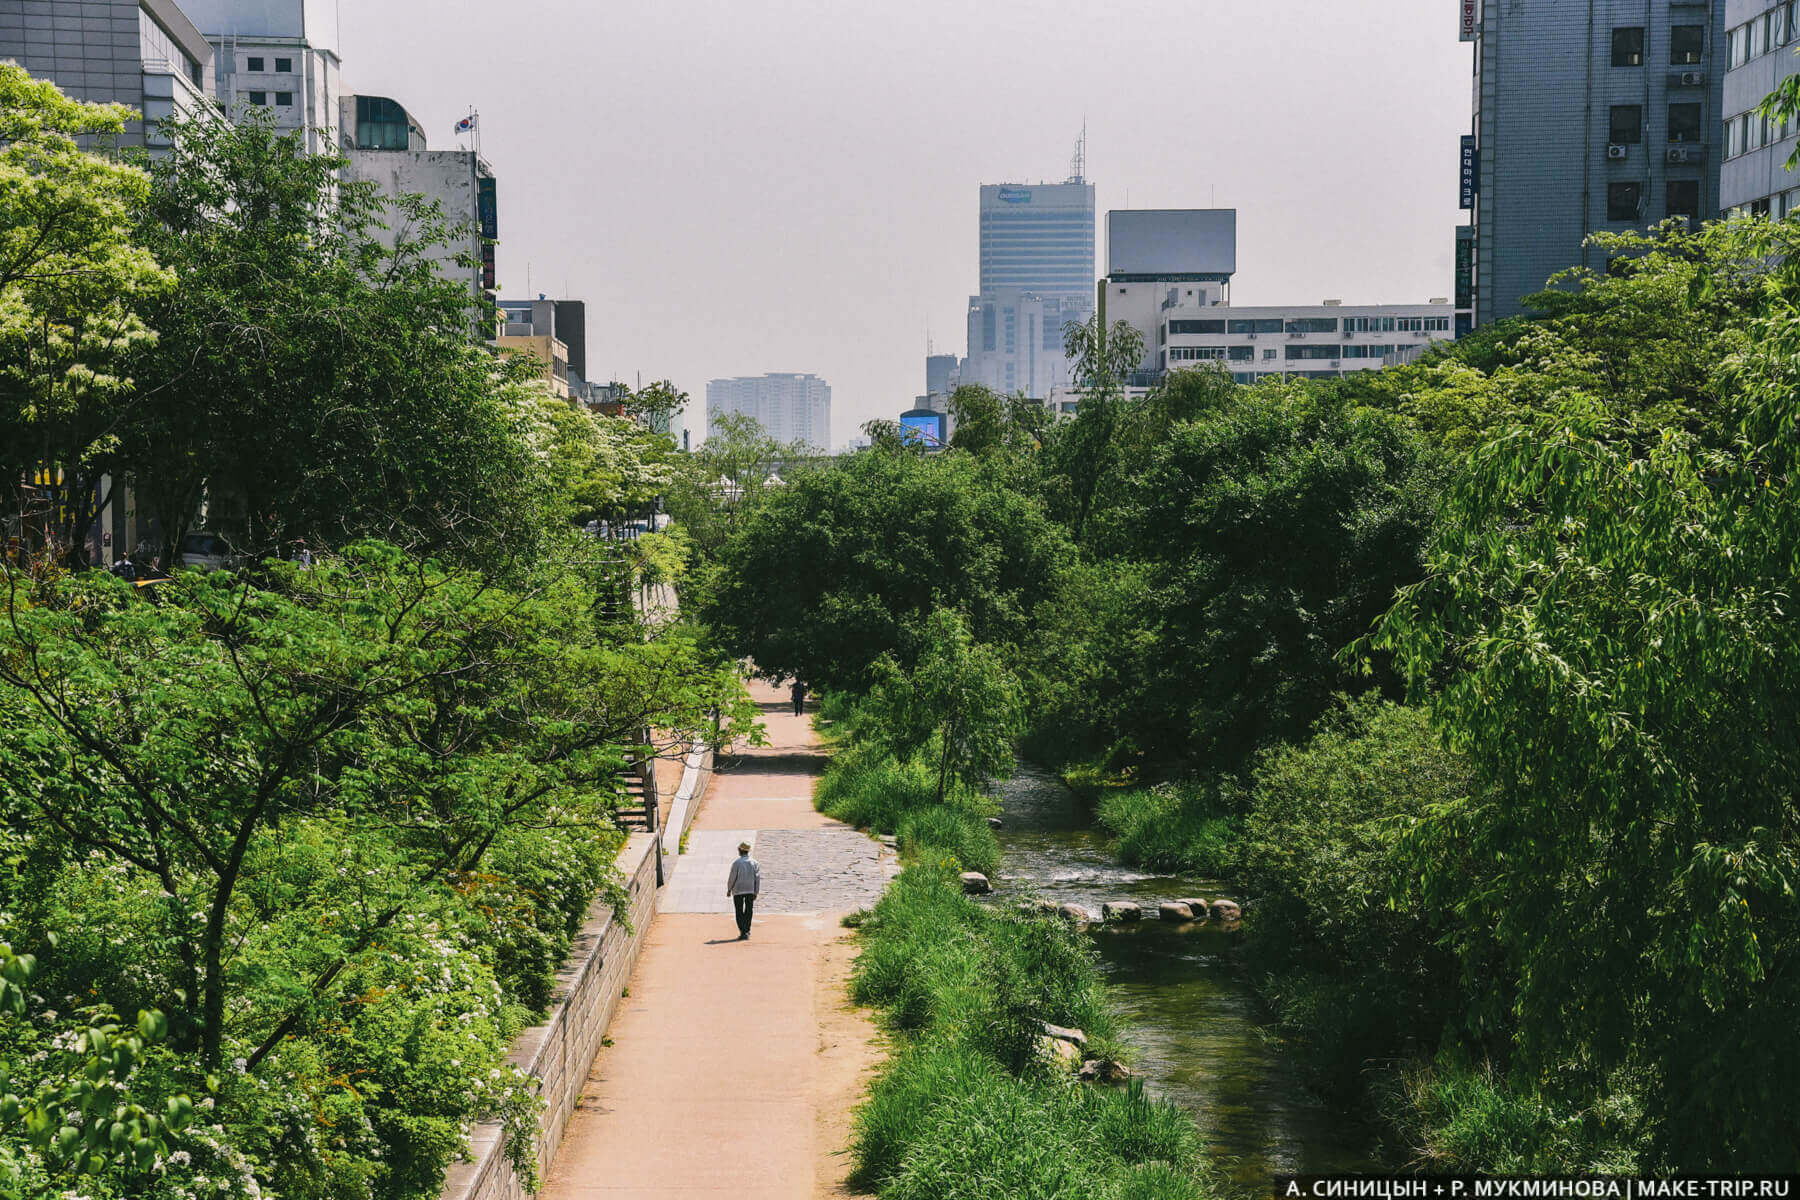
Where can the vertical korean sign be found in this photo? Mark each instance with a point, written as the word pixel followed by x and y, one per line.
pixel 488 209
pixel 1471 171
pixel 1471 19
pixel 1465 266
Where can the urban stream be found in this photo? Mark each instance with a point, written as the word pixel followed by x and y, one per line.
pixel 1190 1010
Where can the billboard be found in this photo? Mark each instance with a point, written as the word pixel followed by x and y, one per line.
pixel 1165 242
pixel 1471 170
pixel 922 427
pixel 1471 19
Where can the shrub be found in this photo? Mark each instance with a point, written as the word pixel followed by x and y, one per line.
pixel 1172 827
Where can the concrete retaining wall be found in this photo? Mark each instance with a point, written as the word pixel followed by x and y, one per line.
pixel 560 1051
pixel 696 774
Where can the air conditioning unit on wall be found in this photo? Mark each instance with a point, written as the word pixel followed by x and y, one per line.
pixel 1615 151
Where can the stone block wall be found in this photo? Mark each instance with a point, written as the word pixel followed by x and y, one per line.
pixel 560 1051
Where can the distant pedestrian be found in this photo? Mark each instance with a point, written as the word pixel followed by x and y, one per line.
pixel 742 885
pixel 798 692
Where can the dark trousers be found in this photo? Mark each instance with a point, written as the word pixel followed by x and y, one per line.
pixel 746 908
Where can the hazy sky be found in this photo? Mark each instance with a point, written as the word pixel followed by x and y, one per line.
pixel 740 186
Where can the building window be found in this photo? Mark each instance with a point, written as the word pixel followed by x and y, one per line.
pixel 1268 354
pixel 381 124
pixel 1734 136
pixel 1312 352
pixel 284 99
pixel 1242 353
pixel 1686 44
pixel 1683 198
pixel 1684 122
pixel 1759 37
pixel 1627 125
pixel 1759 208
pixel 1196 326
pixel 1628 46
pixel 254 64
pixel 1195 353
pixel 1624 201
pixel 259 97
pixel 1368 324
pixel 1737 53
pixel 287 64
pixel 1256 325
pixel 1313 325
pixel 1437 324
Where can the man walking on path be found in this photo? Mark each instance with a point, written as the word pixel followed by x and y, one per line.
pixel 742 885
pixel 798 692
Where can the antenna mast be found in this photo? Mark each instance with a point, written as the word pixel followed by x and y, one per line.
pixel 1078 163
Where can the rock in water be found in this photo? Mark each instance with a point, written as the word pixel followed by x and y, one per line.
pixel 1174 910
pixel 1226 910
pixel 994 823
pixel 1075 913
pixel 974 883
pixel 1198 906
pixel 1121 910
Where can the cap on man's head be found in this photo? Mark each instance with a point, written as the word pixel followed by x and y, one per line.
pixel 743 847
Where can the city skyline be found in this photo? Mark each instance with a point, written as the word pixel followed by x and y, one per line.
pixel 728 162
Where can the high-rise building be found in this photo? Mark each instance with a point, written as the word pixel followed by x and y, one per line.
pixel 1598 116
pixel 1758 55
pixel 279 55
pixel 790 408
pixel 147 54
pixel 1037 275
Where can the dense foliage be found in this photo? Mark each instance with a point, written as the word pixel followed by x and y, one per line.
pixel 290 852
pixel 1540 918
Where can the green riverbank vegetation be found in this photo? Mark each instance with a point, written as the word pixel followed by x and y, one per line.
pixel 289 852
pixel 1475 677
pixel 973 1102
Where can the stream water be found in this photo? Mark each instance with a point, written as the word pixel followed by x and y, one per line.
pixel 1190 1010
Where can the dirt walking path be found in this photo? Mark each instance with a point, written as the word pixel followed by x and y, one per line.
pixel 735 1065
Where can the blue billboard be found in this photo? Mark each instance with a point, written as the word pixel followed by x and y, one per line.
pixel 922 427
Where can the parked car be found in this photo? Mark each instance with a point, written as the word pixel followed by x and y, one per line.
pixel 209 552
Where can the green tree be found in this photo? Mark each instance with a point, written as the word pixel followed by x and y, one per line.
pixel 714 490
pixel 1270 535
pixel 314 376
pixel 844 564
pixel 656 405
pixel 960 697
pixel 1084 453
pixel 1610 626
pixel 419 711
pixel 74 281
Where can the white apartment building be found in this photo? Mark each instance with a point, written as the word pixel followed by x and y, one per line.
pixel 790 408
pixel 281 55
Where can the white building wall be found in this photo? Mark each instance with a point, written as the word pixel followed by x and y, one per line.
pixel 447 176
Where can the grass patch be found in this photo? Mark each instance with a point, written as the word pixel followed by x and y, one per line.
pixel 967 1107
pixel 873 790
pixel 1172 827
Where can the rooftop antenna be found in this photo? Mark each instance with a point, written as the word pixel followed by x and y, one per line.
pixel 1078 162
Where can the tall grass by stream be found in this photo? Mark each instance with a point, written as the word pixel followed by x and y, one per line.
pixel 969 1105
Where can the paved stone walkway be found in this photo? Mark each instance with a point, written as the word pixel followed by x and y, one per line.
pixel 735 1064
